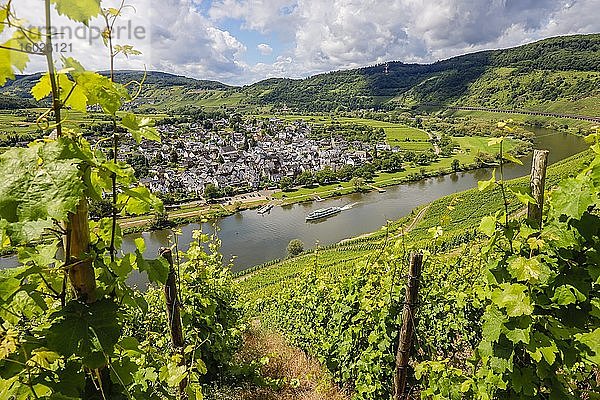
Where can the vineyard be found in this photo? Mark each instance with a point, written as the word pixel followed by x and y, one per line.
pixel 508 308
pixel 344 304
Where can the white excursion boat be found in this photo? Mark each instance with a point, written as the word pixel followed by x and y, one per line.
pixel 323 213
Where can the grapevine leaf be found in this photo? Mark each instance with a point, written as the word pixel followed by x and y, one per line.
pixel 488 225
pixel 495 141
pixel 72 95
pixel 78 10
pixel 493 324
pixel 99 89
pixel 13 59
pixel 157 270
pixel 123 266
pixel 43 88
pixel 172 374
pixel 139 200
pixel 512 158
pixel 529 270
pixel 484 185
pixel 591 340
pixel 86 330
pixel 513 298
pixel 573 197
pixel 523 197
pixel 518 335
pixel 140 127
pixel 140 244
pixel 3 16
pixel 113 11
pixel 541 346
pixel 37 184
pixel 567 294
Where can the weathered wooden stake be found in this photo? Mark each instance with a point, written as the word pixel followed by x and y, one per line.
pixel 537 183
pixel 77 247
pixel 406 331
pixel 173 312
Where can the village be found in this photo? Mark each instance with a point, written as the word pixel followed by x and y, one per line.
pixel 255 155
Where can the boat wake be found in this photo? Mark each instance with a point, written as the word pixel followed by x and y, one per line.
pixel 348 206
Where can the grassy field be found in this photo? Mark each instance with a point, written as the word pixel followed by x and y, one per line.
pixel 396 134
pixel 22 122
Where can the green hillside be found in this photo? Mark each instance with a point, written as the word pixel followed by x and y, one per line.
pixel 559 74
pixel 535 75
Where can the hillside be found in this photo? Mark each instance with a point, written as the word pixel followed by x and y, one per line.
pixel 159 88
pixel 559 74
pixel 535 75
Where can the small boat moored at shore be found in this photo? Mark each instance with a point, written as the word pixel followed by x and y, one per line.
pixel 265 209
pixel 323 213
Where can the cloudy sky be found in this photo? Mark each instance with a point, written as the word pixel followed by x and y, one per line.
pixel 243 41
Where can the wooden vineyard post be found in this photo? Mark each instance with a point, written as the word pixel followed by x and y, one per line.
pixel 173 312
pixel 408 320
pixel 77 247
pixel 537 182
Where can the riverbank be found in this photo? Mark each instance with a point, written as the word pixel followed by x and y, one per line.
pixel 193 212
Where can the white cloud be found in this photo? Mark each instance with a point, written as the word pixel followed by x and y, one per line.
pixel 340 34
pixel 177 38
pixel 319 35
pixel 264 49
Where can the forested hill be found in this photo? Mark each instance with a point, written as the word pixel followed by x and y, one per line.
pixel 561 68
pixel 17 93
pixel 559 74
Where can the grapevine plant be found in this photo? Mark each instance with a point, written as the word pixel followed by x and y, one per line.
pixel 70 326
pixel 541 325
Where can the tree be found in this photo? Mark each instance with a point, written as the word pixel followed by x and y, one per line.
pixel 455 165
pixel 295 247
pixel 286 183
pixel 173 157
pixel 345 173
pixel 211 191
pixel 325 175
pixel 306 178
pixel 357 182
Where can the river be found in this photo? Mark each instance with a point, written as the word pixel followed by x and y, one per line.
pixel 253 239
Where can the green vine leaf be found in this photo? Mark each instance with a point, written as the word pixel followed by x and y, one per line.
pixel 157 270
pixel 11 60
pixel 3 16
pixel 573 197
pixel 71 94
pixel 513 298
pixel 140 128
pixel 98 89
pixel 484 185
pixel 38 184
pixel 523 197
pixel 78 10
pixel 529 270
pixel 591 340
pixel 89 331
pixel 512 158
pixel 488 225
pixel 567 294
